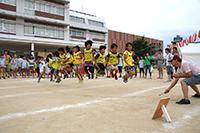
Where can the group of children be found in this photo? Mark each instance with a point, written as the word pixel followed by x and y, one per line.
pixel 65 63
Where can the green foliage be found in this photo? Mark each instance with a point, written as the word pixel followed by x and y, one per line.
pixel 140 46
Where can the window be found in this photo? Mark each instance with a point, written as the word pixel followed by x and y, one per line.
pixel 77 19
pixel 28 30
pixel 97 36
pixel 43 31
pixel 7 27
pixel 9 2
pixel 29 4
pixel 77 33
pixel 96 23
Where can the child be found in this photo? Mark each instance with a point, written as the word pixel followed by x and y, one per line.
pixel 68 62
pixel 120 65
pixel 62 56
pixel 148 65
pixel 88 54
pixel 128 63
pixel 24 67
pixel 77 62
pixel 113 61
pixel 14 63
pixel 41 68
pixel 56 66
pixel 49 61
pixel 100 61
pixel 2 67
pixel 141 66
pixel 169 66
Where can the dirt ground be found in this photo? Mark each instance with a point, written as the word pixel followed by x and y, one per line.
pixel 94 106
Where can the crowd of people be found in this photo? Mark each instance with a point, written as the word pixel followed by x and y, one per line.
pixel 68 63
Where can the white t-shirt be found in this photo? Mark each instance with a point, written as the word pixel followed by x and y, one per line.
pixel 141 64
pixel 189 67
pixel 168 58
pixel 2 62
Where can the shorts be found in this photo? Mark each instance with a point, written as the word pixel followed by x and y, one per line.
pixel 77 66
pixel 194 80
pixel 120 69
pixel 112 67
pixel 170 70
pixel 130 68
pixel 100 69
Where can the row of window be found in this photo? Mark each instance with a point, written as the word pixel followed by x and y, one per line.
pixel 95 23
pixel 77 19
pixel 43 31
pixel 82 20
pixel 80 33
pixel 9 2
pixel 7 27
pixel 31 5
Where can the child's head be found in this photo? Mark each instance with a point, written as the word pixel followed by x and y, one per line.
pixel 175 49
pixel 6 52
pixel 129 46
pixel 67 49
pixel 15 56
pixel 61 50
pixel 102 49
pixel 114 47
pixel 56 54
pixel 88 44
pixel 76 49
pixel 167 50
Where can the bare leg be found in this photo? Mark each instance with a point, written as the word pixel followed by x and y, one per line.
pixel 184 89
pixel 195 88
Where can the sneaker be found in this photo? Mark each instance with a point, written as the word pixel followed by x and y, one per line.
pixel 125 80
pixel 183 101
pixel 196 95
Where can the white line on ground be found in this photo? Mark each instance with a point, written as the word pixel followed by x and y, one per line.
pixel 49 92
pixel 72 106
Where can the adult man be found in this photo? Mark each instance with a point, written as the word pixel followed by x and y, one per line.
pixel 191 74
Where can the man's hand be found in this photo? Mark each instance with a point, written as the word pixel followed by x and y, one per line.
pixel 176 75
pixel 166 91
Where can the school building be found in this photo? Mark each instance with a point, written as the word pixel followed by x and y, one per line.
pixel 41 26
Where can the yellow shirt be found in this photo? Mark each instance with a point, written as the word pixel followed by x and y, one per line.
pixel 101 59
pixel 88 55
pixel 129 58
pixel 69 57
pixel 77 58
pixel 113 59
pixel 56 63
pixel 62 58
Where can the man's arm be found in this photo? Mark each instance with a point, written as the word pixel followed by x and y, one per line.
pixel 183 75
pixel 174 82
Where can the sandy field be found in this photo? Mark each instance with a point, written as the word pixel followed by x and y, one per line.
pixel 94 106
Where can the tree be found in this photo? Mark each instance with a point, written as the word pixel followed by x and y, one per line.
pixel 140 46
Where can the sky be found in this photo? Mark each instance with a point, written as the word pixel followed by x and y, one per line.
pixel 161 19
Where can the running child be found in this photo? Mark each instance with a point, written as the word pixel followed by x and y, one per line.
pixel 77 62
pixel 113 61
pixel 68 62
pixel 14 63
pixel 88 54
pixel 100 62
pixel 128 63
pixel 56 66
pixel 41 68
